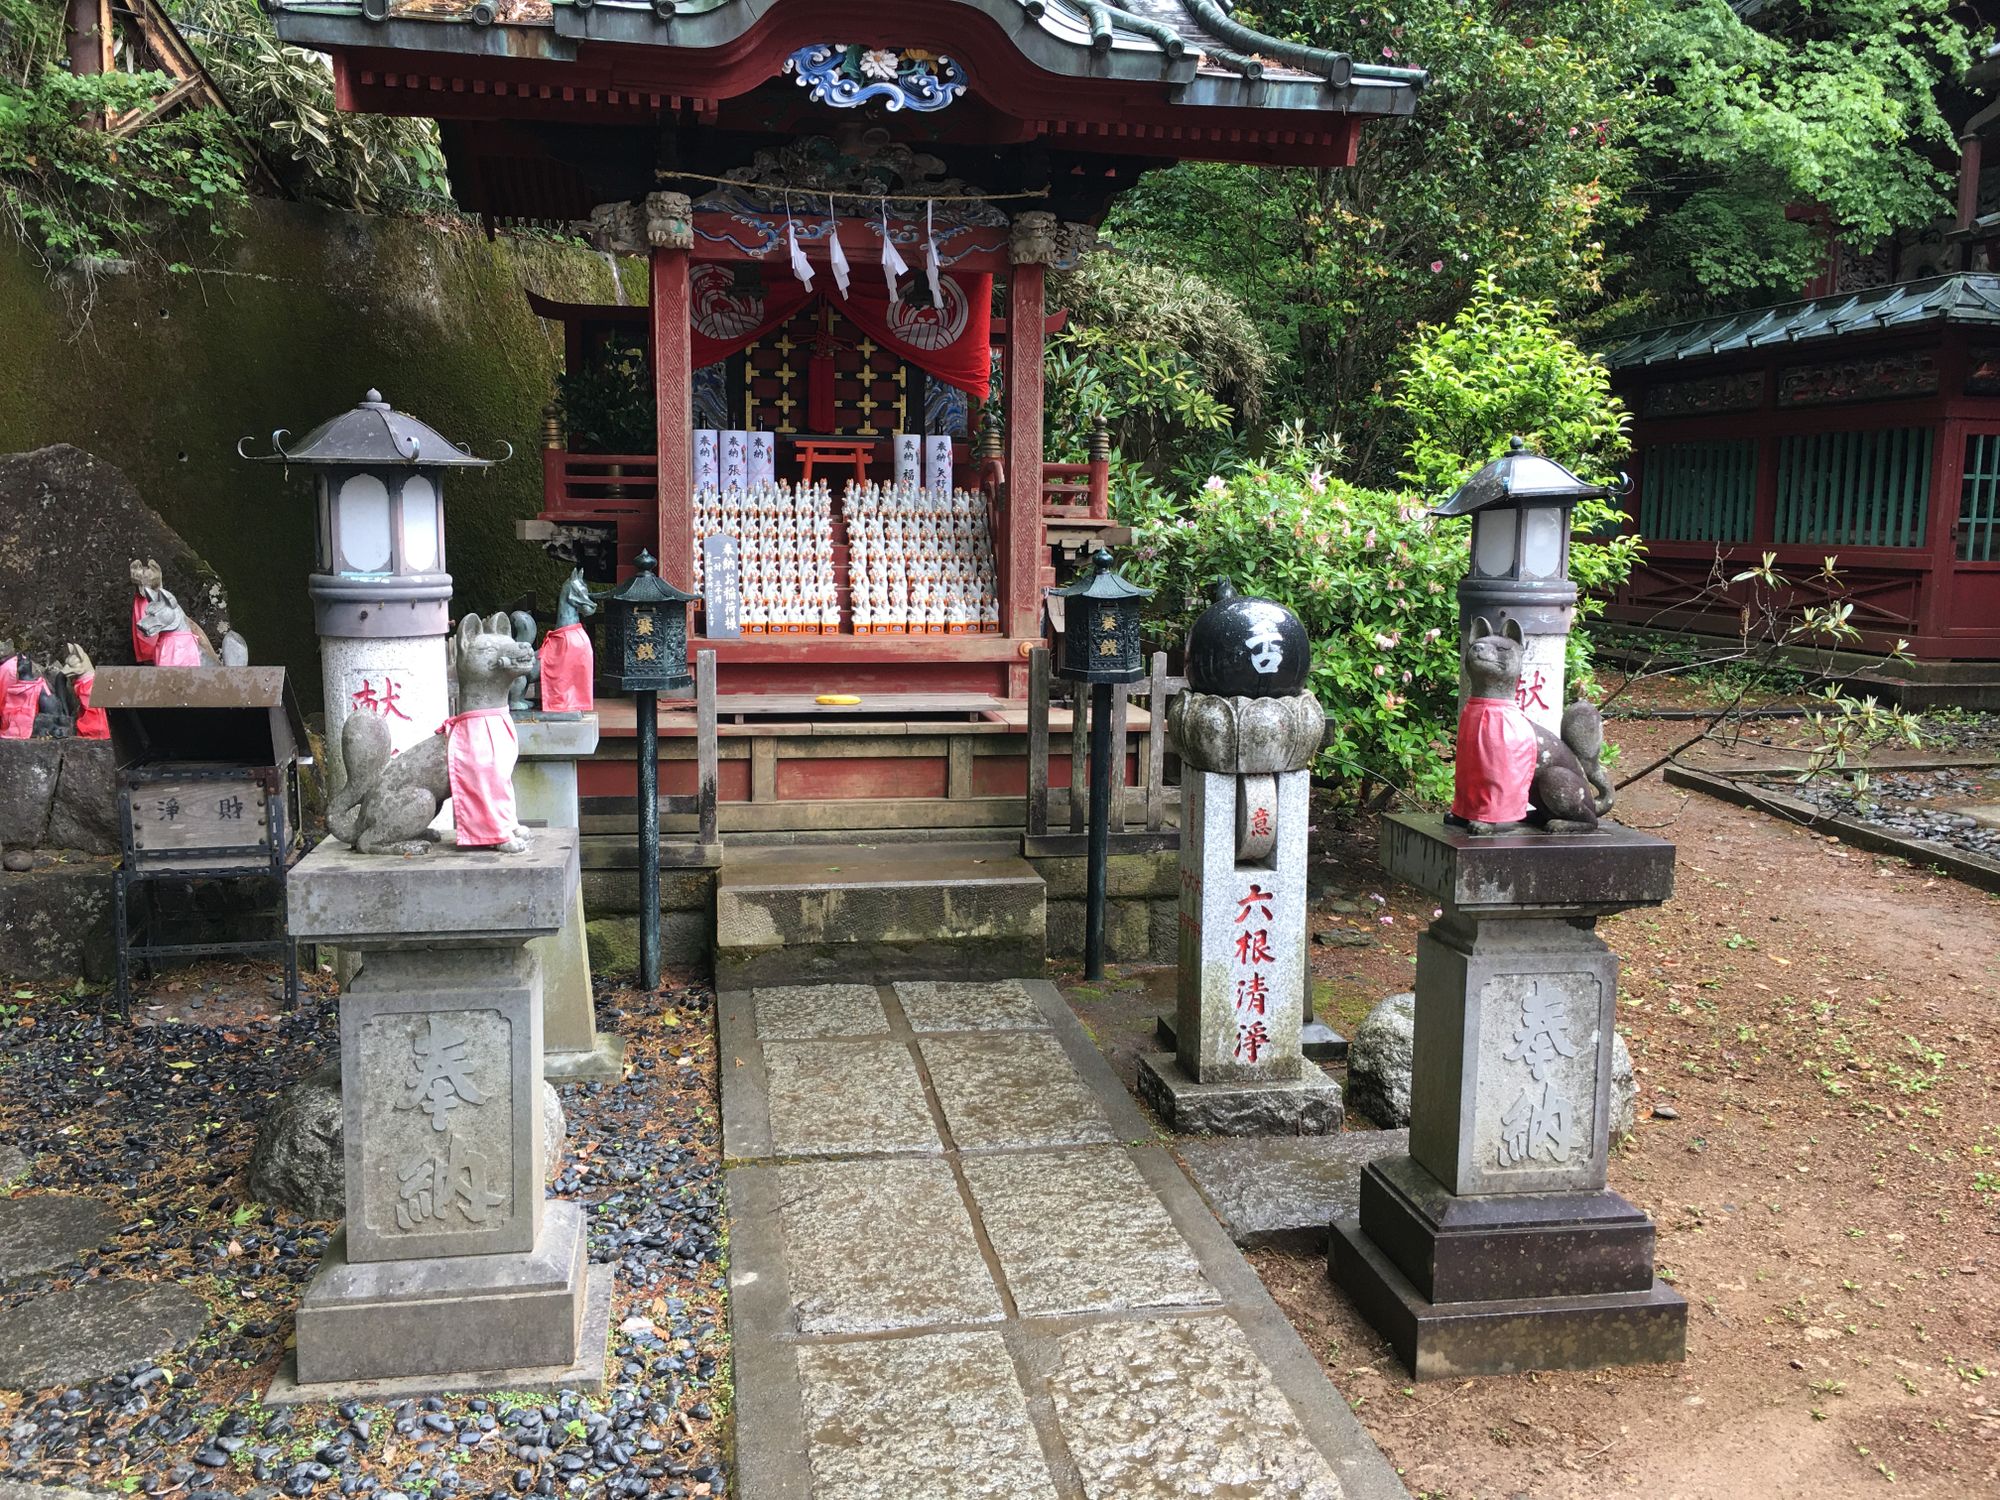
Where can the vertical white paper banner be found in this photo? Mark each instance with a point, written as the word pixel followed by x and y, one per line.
pixel 735 461
pixel 937 464
pixel 909 458
pixel 707 459
pixel 763 458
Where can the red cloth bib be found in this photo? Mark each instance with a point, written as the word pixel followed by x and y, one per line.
pixel 144 647
pixel 480 750
pixel 18 698
pixel 1496 762
pixel 91 723
pixel 567 666
pixel 176 648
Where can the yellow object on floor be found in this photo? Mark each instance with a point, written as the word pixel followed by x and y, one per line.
pixel 833 700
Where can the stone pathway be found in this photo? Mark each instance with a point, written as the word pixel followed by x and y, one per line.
pixel 963 1265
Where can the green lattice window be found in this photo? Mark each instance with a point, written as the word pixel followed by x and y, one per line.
pixel 1854 489
pixel 1699 492
pixel 1979 500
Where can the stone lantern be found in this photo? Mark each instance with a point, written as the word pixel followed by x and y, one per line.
pixel 381 595
pixel 1521 506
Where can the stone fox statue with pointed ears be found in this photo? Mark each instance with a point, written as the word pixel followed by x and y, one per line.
pixel 388 803
pixel 1511 772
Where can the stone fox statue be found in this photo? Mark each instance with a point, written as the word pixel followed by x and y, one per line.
pixel 1511 772
pixel 387 805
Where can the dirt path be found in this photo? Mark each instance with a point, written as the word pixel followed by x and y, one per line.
pixel 1825 1024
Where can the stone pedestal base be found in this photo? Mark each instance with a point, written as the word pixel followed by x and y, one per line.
pixel 1306 1105
pixel 1318 1042
pixel 1464 1285
pixel 532 1321
pixel 605 1060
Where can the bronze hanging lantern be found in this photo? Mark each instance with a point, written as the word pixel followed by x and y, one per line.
pixel 1100 641
pixel 649 632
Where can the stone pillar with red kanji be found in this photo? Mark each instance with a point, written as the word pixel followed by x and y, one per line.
pixel 1246 753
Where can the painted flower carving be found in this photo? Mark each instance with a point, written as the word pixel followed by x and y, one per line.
pixel 879 64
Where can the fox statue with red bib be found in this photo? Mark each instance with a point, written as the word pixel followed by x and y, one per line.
pixel 1512 773
pixel 388 803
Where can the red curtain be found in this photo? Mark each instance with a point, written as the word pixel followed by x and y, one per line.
pixel 732 306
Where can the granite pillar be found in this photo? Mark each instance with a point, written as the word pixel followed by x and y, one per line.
pixel 452 1271
pixel 1494 1246
pixel 1237 1068
pixel 545 794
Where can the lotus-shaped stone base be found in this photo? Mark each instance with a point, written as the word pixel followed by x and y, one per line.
pixel 1246 736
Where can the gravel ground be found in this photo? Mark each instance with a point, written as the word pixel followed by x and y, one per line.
pixel 158 1120
pixel 1905 802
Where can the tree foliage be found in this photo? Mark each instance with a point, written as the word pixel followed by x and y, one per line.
pixel 1624 161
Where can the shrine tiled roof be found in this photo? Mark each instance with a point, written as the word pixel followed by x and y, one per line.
pixel 1970 297
pixel 1196 45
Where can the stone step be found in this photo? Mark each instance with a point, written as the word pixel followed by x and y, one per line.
pixel 802 914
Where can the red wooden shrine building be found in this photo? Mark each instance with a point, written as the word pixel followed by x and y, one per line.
pixel 729 140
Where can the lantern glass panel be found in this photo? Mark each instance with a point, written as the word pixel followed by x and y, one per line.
pixel 323 559
pixel 420 525
pixel 364 525
pixel 1542 541
pixel 1493 543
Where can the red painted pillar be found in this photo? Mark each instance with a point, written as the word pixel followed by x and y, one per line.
pixel 1026 552
pixel 673 385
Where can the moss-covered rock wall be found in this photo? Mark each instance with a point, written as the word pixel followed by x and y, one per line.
pixel 301 312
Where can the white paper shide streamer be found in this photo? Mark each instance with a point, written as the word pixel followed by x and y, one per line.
pixel 893 264
pixel 835 253
pixel 801 267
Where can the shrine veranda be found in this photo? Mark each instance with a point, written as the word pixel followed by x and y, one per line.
pixel 766 175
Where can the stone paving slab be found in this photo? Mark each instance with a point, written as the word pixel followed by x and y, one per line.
pixel 47 1230
pixel 1286 1190
pixel 969 1005
pixel 866 1297
pixel 801 1012
pixel 1169 1409
pixel 1012 1090
pixel 936 1416
pixel 878 1245
pixel 1083 1231
pixel 830 1098
pixel 100 1328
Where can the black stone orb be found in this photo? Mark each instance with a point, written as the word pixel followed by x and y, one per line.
pixel 1247 648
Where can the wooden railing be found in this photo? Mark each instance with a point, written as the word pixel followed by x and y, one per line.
pixel 599 486
pixel 1138 809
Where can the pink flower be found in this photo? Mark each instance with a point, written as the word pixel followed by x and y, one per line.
pixel 1436 266
pixel 1380 670
pixel 1432 634
pixel 1368 541
pixel 1215 484
pixel 1316 482
pixel 1388 642
pixel 1408 677
pixel 1386 920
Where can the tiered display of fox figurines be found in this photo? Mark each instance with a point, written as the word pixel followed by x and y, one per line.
pixel 784 543
pixel 920 562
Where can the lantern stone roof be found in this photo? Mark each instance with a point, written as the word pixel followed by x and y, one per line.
pixel 372 435
pixel 1195 47
pixel 646 586
pixel 1517 475
pixel 1967 298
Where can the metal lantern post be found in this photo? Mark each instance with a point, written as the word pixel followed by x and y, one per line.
pixel 1100 646
pixel 1521 504
pixel 381 595
pixel 649 638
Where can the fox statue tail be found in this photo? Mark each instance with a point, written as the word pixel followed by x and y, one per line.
pixel 1583 732
pixel 364 752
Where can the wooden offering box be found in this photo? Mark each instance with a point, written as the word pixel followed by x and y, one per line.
pixel 208 789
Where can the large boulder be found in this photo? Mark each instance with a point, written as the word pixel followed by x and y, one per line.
pixel 70 525
pixel 299 1161
pixel 1379 1065
pixel 1378 1062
